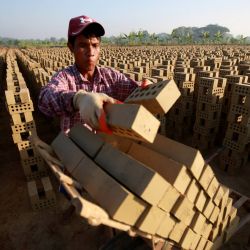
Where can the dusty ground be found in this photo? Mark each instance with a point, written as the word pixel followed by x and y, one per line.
pixel 21 228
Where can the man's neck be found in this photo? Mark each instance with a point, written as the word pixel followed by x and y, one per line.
pixel 89 75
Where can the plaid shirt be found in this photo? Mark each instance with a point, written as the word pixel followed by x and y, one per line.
pixel 56 97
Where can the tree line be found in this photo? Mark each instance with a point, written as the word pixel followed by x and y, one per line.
pixel 210 34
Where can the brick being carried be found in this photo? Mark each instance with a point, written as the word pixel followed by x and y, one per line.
pixel 132 121
pixel 157 98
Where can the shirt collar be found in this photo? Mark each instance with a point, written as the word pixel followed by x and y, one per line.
pixel 97 74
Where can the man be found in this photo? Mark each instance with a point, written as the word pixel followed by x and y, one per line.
pixel 78 92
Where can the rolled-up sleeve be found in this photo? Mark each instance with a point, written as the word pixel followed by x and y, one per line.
pixel 55 99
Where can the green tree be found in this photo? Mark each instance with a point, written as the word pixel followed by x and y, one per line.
pixel 218 36
pixel 205 35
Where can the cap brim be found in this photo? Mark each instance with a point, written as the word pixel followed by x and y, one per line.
pixel 94 28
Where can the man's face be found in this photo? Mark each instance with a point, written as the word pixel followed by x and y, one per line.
pixel 86 52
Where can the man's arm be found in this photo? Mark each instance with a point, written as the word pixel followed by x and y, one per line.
pixel 55 98
pixel 124 86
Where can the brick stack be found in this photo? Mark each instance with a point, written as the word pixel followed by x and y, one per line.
pixel 237 136
pixel 228 67
pixel 208 110
pixel 20 108
pixel 164 189
pixel 231 80
pixel 182 112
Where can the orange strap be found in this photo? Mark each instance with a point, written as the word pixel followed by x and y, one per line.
pixel 103 126
pixel 144 84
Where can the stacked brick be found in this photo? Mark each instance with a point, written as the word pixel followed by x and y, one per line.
pixel 2 63
pixel 20 107
pixel 228 67
pixel 208 110
pixel 164 189
pixel 160 64
pixel 237 138
pixel 182 112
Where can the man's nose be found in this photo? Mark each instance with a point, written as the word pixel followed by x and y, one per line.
pixel 91 51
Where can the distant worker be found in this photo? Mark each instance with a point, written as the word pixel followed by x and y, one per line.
pixel 78 92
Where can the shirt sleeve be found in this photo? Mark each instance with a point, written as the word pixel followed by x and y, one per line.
pixel 124 86
pixel 55 99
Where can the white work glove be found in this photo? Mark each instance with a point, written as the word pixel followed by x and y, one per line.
pixel 90 106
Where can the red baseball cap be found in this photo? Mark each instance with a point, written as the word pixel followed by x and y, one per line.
pixel 78 24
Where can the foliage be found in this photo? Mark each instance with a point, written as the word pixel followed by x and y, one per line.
pixel 210 34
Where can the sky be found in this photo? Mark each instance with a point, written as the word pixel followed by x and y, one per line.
pixel 40 19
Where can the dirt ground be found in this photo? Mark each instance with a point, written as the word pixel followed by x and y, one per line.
pixel 55 228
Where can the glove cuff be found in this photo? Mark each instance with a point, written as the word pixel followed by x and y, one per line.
pixel 76 97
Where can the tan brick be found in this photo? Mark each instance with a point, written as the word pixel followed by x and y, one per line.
pixel 233 227
pixel 22 117
pixel 218 195
pixel 227 208
pixel 208 245
pixel 195 242
pixel 183 210
pixel 197 222
pixel 157 98
pixel 214 233
pixel 219 218
pixel 137 177
pixel 88 141
pixel 175 173
pixel 187 239
pixel 166 226
pixel 177 232
pixel 208 208
pixel 120 204
pixel 169 199
pixel 24 127
pixel 232 215
pixel 41 193
pixel 121 143
pixel 217 243
pixel 132 121
pixel 192 190
pixel 23 136
pixel 223 226
pixel 225 197
pixel 67 151
pixel 179 152
pixel 150 220
pixel 206 176
pixel 20 108
pixel 24 95
pixel 9 96
pixel 201 243
pixel 214 214
pixel 201 200
pixel 206 230
pixel 212 188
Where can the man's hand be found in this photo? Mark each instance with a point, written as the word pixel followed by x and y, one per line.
pixel 90 106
